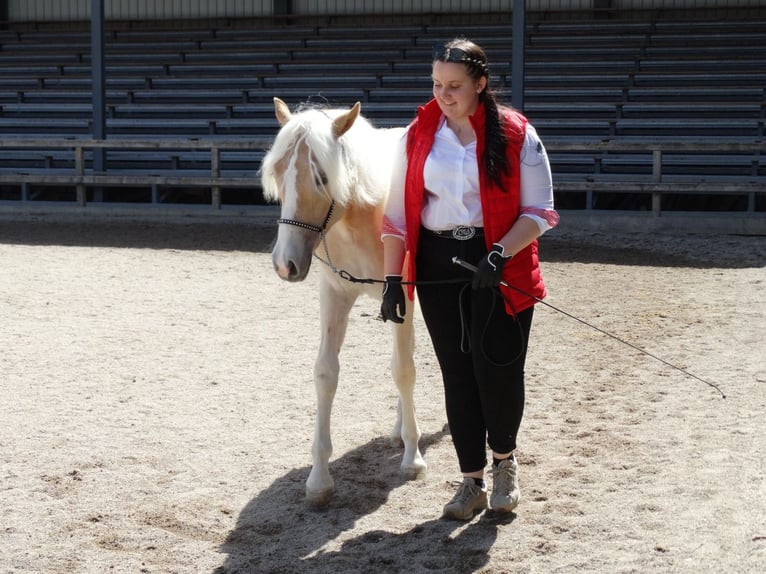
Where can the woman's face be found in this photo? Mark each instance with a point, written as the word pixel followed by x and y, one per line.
pixel 456 92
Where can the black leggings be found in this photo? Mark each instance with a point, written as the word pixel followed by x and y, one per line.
pixel 481 356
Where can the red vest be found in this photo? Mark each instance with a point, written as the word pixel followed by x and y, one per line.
pixel 500 207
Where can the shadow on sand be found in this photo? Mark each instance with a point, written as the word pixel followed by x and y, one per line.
pixel 278 532
pixel 258 237
pixel 231 236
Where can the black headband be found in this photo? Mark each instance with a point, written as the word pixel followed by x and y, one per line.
pixel 456 56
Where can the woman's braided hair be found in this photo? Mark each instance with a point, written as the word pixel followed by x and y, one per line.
pixel 495 142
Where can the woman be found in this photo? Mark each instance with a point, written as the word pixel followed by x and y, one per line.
pixel 473 182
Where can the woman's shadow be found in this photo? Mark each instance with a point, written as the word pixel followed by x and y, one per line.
pixel 278 532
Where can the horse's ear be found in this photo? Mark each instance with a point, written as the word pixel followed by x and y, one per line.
pixel 281 111
pixel 343 123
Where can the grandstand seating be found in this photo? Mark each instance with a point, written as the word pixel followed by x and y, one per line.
pixel 585 81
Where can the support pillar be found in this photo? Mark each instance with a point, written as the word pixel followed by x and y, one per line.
pixel 517 62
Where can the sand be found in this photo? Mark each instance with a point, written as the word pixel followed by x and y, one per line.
pixel 157 412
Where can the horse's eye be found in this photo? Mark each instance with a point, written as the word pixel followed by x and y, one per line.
pixel 321 180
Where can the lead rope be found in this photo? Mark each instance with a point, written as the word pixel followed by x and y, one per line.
pixel 462 263
pixel 342 273
pixel 368 280
pixel 465 331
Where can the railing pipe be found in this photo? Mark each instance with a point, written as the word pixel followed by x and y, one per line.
pixel 216 180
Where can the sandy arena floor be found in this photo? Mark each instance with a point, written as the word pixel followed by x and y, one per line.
pixel 157 410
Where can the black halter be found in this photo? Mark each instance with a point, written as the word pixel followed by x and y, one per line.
pixel 309 226
pixel 317 229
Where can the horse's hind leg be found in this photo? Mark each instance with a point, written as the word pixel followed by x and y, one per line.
pixel 406 428
pixel 334 310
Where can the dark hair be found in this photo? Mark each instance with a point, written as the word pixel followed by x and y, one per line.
pixel 464 51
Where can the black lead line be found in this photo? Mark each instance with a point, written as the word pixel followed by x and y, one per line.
pixel 457 261
pixel 460 262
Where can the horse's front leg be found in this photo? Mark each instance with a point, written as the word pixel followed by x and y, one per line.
pixel 406 429
pixel 334 309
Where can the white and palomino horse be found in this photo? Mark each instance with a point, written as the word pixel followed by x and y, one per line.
pixel 330 170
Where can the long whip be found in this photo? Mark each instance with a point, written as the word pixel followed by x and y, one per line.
pixel 457 261
pixel 466 265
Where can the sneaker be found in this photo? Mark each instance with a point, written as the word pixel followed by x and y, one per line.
pixel 505 486
pixel 469 499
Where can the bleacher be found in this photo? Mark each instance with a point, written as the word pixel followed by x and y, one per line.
pixel 586 81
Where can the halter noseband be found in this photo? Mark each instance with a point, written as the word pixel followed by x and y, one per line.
pixel 309 226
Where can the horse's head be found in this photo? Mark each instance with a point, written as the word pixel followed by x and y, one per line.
pixel 307 171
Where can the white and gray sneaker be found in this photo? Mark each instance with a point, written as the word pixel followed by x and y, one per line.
pixel 505 486
pixel 469 499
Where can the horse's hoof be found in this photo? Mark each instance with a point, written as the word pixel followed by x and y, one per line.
pixel 414 472
pixel 318 498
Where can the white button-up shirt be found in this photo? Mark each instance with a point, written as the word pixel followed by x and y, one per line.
pixel 451 175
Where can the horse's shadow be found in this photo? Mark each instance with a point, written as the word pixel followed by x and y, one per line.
pixel 278 532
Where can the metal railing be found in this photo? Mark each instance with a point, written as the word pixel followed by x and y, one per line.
pixel 81 177
pixel 657 184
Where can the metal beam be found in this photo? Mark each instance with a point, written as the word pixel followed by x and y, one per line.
pixel 98 81
pixel 4 14
pixel 282 7
pixel 517 62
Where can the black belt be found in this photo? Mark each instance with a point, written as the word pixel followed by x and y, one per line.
pixel 461 232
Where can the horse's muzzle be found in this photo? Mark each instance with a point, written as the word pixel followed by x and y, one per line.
pixel 290 272
pixel 291 269
pixel 292 252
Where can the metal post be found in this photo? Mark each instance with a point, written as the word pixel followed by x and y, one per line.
pixel 98 94
pixel 79 166
pixel 282 8
pixel 517 62
pixel 4 13
pixel 656 178
pixel 657 165
pixel 215 172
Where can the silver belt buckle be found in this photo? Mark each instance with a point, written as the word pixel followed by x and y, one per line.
pixel 463 233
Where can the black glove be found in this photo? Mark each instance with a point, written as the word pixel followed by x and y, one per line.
pixel 489 271
pixel 393 307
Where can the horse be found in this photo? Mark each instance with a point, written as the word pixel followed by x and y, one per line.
pixel 330 170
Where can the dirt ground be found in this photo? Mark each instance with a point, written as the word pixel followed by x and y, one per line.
pixel 157 413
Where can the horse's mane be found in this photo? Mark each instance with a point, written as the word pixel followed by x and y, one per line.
pixel 355 164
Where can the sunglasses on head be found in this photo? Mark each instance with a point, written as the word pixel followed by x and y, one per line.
pixel 453 55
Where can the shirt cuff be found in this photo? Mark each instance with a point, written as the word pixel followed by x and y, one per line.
pixel 390 229
pixel 545 218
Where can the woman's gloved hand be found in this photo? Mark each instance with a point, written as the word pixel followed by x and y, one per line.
pixel 394 305
pixel 489 271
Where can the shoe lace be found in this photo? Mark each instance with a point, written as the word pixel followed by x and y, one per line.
pixel 465 492
pixel 504 476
